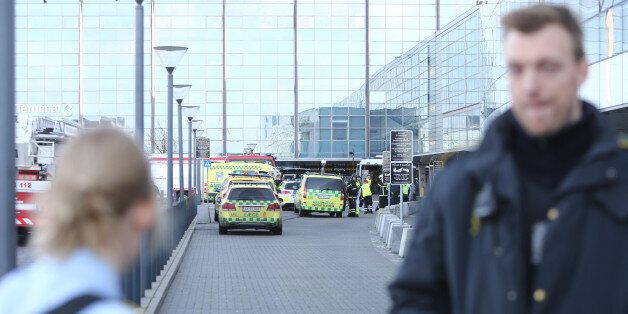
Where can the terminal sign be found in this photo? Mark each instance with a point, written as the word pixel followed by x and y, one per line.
pixel 401 146
pixel 401 173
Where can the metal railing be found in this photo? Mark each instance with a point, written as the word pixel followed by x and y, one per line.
pixel 157 247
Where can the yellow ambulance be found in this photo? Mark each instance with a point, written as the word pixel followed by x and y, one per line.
pixel 250 207
pixel 321 193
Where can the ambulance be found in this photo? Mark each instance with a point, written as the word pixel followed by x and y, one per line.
pixel 320 193
pixel 263 180
pixel 218 172
pixel 250 207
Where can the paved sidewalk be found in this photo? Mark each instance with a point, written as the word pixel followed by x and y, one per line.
pixel 319 265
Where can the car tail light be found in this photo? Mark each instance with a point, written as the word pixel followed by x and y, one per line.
pixel 304 194
pixel 273 207
pixel 228 207
pixel 285 192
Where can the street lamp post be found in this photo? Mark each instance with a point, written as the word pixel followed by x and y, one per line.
pixel 196 124
pixel 140 269
pixel 7 137
pixel 139 73
pixel 170 57
pixel 180 92
pixel 189 112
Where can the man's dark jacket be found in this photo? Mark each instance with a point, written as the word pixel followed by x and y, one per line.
pixel 353 188
pixel 467 254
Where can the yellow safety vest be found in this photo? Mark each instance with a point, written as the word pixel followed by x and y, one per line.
pixel 406 189
pixel 366 190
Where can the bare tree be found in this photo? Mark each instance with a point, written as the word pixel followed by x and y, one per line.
pixel 161 140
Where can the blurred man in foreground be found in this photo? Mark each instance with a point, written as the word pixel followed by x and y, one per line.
pixel 535 220
pixel 100 204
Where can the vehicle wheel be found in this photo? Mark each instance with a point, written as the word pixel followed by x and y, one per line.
pixel 222 230
pixel 277 230
pixel 296 210
pixel 339 215
pixel 301 213
pixel 215 216
pixel 331 214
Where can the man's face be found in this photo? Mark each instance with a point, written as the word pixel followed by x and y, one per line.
pixel 544 76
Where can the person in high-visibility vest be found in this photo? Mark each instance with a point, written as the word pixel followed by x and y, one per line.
pixel 406 192
pixel 367 196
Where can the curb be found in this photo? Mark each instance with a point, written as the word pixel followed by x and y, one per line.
pixel 154 301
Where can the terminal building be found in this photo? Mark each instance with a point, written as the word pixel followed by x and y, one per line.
pixel 295 72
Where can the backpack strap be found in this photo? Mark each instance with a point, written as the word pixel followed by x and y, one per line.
pixel 76 304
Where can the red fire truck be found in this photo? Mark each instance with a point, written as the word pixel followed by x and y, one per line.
pixel 37 141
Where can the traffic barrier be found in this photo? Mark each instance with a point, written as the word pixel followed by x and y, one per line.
pixel 378 217
pixel 394 239
pixel 387 223
pixel 156 248
pixel 406 240
pixel 389 234
pixel 385 218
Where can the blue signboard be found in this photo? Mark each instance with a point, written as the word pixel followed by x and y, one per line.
pixel 207 163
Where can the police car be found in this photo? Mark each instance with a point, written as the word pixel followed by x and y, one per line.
pixel 320 193
pixel 250 207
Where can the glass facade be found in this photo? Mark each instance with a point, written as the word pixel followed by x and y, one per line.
pixel 295 71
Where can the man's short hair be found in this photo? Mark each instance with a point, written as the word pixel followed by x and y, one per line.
pixel 533 18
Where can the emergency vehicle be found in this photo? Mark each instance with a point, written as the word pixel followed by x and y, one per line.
pixel 263 159
pixel 320 193
pixel 37 143
pixel 287 192
pixel 218 172
pixel 250 207
pixel 239 179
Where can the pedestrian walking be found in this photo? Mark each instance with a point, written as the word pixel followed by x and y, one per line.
pixel 535 220
pixel 100 204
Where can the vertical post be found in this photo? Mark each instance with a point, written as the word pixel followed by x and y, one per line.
pixel 224 81
pixel 296 81
pixel 139 269
pixel 437 15
pixel 80 62
pixel 139 74
pixel 170 135
pixel 170 179
pixel 180 128
pixel 198 189
pixel 190 157
pixel 152 77
pixel 367 85
pixel 401 203
pixel 388 200
pixel 7 137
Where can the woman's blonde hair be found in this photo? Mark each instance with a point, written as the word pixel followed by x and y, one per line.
pixel 99 176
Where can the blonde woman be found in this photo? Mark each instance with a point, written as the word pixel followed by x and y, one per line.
pixel 100 204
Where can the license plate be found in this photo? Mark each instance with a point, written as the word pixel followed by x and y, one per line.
pixel 323 196
pixel 250 209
